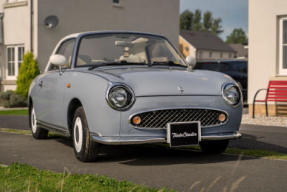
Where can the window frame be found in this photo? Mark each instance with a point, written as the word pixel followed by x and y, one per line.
pixel 116 3
pixel 281 44
pixel 57 51
pixel 16 61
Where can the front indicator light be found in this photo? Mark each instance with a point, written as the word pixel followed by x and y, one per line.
pixel 222 117
pixel 136 120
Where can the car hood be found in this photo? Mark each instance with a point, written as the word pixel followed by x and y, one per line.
pixel 152 81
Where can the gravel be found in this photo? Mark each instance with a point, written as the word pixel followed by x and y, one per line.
pixel 266 121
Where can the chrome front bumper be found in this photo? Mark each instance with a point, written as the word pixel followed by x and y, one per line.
pixel 143 140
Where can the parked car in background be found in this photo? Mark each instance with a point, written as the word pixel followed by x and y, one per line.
pixel 117 88
pixel 237 69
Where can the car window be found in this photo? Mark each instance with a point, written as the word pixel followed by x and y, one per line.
pixel 66 49
pixel 97 50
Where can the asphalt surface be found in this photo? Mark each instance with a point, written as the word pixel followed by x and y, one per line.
pixel 151 165
pixel 157 166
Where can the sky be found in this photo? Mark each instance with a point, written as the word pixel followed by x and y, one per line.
pixel 234 13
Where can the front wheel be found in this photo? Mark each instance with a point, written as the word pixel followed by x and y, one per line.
pixel 214 147
pixel 37 132
pixel 85 149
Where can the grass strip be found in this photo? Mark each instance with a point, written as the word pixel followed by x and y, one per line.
pixel 20 112
pixel 257 153
pixel 15 131
pixel 17 177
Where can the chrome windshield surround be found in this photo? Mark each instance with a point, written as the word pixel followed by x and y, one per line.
pixel 177 108
pixel 127 88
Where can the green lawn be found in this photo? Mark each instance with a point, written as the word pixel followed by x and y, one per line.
pixel 14 112
pixel 20 178
pixel 257 153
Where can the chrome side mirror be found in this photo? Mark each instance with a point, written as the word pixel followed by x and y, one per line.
pixel 58 60
pixel 191 62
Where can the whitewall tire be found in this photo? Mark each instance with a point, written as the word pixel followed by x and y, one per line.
pixel 84 148
pixel 37 132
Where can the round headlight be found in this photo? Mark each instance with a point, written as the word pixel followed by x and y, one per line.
pixel 231 94
pixel 120 97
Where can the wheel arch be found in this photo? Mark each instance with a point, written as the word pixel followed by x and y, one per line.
pixel 72 107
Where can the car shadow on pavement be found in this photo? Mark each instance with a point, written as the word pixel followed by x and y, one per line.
pixel 154 154
pixel 249 141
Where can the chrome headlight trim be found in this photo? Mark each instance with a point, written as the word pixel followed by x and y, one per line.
pixel 230 85
pixel 130 96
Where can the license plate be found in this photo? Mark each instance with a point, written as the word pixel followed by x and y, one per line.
pixel 183 134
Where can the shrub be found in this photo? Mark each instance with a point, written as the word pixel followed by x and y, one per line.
pixel 11 99
pixel 28 71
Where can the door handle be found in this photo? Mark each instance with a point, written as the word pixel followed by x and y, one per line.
pixel 40 83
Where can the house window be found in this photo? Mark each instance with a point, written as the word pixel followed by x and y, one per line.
pixel 199 55
pixel 283 46
pixel 14 59
pixel 210 54
pixel 230 55
pixel 116 2
pixel 221 55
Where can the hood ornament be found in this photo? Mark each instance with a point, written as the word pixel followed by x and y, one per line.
pixel 180 89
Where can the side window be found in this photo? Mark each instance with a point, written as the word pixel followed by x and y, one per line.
pixel 66 49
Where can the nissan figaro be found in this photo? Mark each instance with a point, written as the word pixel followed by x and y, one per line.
pixel 121 88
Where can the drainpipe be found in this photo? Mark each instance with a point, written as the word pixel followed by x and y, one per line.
pixel 31 25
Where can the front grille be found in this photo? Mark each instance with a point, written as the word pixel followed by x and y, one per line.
pixel 160 118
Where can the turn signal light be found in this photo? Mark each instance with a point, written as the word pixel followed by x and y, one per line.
pixel 222 117
pixel 136 120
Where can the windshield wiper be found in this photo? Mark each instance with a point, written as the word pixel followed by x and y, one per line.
pixel 168 63
pixel 114 64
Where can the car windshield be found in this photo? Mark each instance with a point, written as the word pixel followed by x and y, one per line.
pixel 126 49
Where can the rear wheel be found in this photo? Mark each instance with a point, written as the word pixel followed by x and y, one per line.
pixel 214 147
pixel 37 132
pixel 85 149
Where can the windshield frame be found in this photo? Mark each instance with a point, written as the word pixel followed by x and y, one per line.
pixel 82 36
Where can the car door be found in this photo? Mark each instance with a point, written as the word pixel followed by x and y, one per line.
pixel 53 87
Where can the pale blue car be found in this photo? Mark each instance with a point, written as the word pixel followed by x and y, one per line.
pixel 116 88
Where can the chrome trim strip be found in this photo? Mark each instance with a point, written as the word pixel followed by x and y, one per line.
pixel 175 108
pixel 236 135
pixel 144 140
pixel 52 127
pixel 127 140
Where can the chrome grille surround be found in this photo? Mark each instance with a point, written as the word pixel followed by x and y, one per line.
pixel 158 119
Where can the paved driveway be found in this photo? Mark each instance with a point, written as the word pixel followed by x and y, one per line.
pixel 152 165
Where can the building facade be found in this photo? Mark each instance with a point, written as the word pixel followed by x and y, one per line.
pixel 24 28
pixel 204 46
pixel 267 49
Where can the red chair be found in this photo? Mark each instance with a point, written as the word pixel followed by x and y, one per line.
pixel 276 92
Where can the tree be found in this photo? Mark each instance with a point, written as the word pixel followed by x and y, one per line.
pixel 186 20
pixel 238 36
pixel 28 71
pixel 197 25
pixel 216 26
pixel 193 22
pixel 207 21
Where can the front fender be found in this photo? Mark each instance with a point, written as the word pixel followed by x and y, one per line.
pixel 91 90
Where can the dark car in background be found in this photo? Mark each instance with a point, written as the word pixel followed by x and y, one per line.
pixel 237 69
